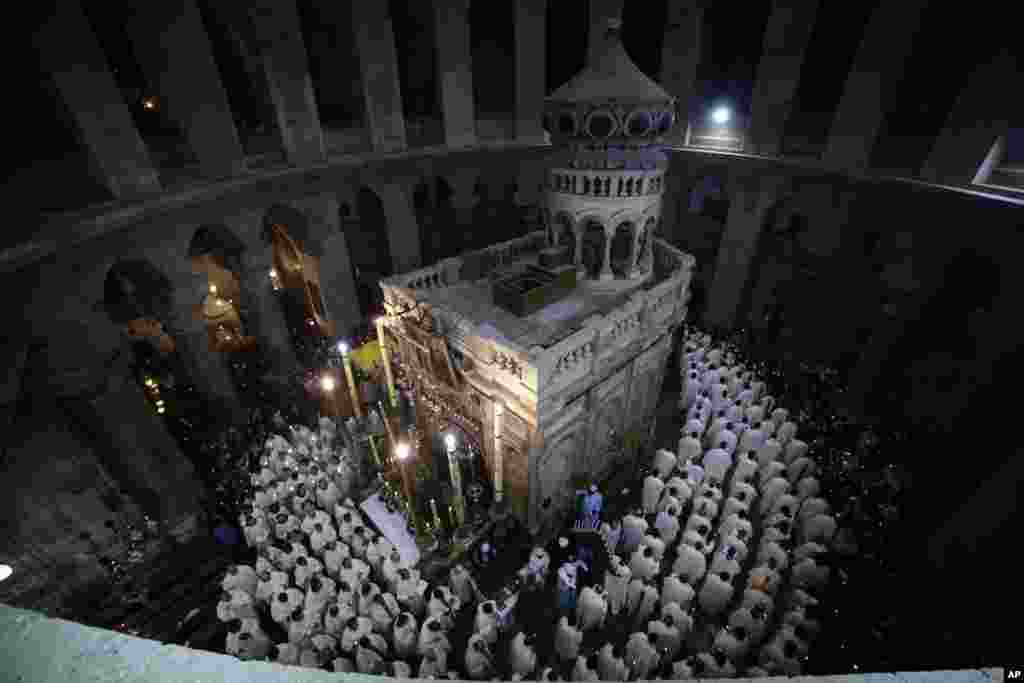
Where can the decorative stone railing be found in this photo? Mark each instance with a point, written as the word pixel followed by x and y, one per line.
pixel 605 185
pixel 622 326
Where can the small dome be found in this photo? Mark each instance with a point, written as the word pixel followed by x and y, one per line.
pixel 611 76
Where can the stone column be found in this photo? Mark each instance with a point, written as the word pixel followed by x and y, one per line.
pixel 878 64
pixel 261 311
pixel 600 12
pixel 70 52
pixel 464 199
pixel 981 115
pixel 752 197
pixel 530 74
pixel 207 369
pixel 778 73
pixel 337 281
pixel 685 32
pixel 606 264
pixel 291 87
pixel 455 71
pixel 174 51
pixel 375 40
pixel 403 231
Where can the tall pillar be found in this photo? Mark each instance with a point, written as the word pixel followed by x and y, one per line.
pixel 981 115
pixel 403 231
pixel 337 281
pixel 606 264
pixel 530 69
pixel 685 33
pixel 464 199
pixel 752 197
pixel 878 64
pixel 378 60
pixel 455 71
pixel 778 74
pixel 174 51
pixel 70 52
pixel 95 384
pixel 261 312
pixel 207 369
pixel 291 87
pixel 600 12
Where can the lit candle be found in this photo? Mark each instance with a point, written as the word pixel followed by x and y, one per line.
pixel 499 415
pixel 353 391
pixel 386 358
pixel 433 509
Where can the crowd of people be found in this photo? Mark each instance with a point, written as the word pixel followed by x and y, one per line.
pixel 718 572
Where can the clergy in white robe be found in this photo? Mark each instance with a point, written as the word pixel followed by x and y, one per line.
pixel 696 426
pixel 634 526
pixel 699 524
pixel 301 626
pixel 404 635
pixel 643 564
pixel 642 655
pixel 719 397
pixel 443 605
pixel 285 654
pixel 433 637
pixel 270 584
pixel 716 665
pixel 360 542
pixel 434 664
pixel 689 447
pixel 667 524
pixel 365 595
pixel 641 600
pixel 585 669
pixel 284 525
pixel 592 608
pixel 738 524
pixel 612 535
pixel 734 642
pixel 336 616
pixel 667 635
pixel 716 593
pixel 819 528
pixel 377 551
pixel 664 463
pixel 389 568
pixel 326 646
pixel 755 600
pixel 755 413
pixel 770 471
pixel 690 564
pixel 725 561
pixel 733 505
pixel 770 492
pixel 411 591
pixel 300 497
pixel 769 452
pixel 773 556
pixel 811 507
pixel 305 569
pixel 354 570
pixel 371 654
pixel 694 475
pixel 312 517
pixel 327 494
pixel 794 449
pixel 752 439
pixel 321 592
pixel 717 462
pixel 800 468
pixel 616 583
pixel 786 432
pixel 321 536
pixel 653 487
pixel 478 659
pixel 714 429
pixel 235 604
pixel 522 656
pixel 567 639
pixel 690 393
pixel 753 620
pixel 256 531
pixel 729 436
pixel 240 577
pixel 746 467
pixel 611 663
pixel 383 611
pixel 807 487
pixel 462 584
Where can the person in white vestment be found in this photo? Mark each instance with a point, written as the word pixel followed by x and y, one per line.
pixel 433 638
pixel 634 526
pixel 690 563
pixel 591 608
pixel 410 590
pixel 522 655
pixel 235 604
pixel 444 605
pixel 781 656
pixel 642 655
pixel 752 439
pixel 326 647
pixel 240 577
pixel 585 669
pixel 327 494
pixel 668 638
pixel 770 491
pixel 384 608
pixel 434 664
pixel 664 463
pixel 612 534
pixel 689 448
pixel 786 432
pixel 306 568
pixel 769 452
pixel 285 654
pixel 717 462
pixel 733 641
pixel 335 618
pixel 675 590
pixel 809 575
pixel 728 435
pixel 807 487
pixel 800 468
pixel 643 564
pixel 478 659
pixel 642 599
pixel 567 639
pixel 270 584
pixel 667 524
pixel 795 448
pixel 321 592
pixel 653 487
pixel 371 654
pixel 616 583
pixel 301 626
pixel 321 536
pixel 462 584
pixel 611 663
pixel 716 593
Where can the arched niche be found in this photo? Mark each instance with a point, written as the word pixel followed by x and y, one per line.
pixel 643 240
pixel 622 249
pixel 217 252
pixel 593 247
pixel 292 221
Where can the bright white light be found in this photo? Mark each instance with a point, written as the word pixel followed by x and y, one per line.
pixel 213 289
pixel 402 451
pixel 449 441
pixel 721 115
pixel 327 384
pixel 342 348
pixel 5 572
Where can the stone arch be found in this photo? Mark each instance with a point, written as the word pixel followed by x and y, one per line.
pixel 621 253
pixel 217 252
pixel 592 245
pixel 134 289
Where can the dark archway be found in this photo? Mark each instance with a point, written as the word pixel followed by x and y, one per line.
pixel 593 248
pixel 135 289
pixel 622 249
pixel 217 252
pixel 370 251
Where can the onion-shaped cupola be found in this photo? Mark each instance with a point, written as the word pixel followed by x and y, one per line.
pixel 610 103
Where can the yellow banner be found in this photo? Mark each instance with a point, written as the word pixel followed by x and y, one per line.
pixel 366 355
